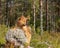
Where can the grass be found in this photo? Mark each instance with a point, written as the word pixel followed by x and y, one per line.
pixel 3 30
pixel 46 40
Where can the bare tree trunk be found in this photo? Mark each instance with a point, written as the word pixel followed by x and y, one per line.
pixel 11 21
pixel 0 7
pixel 48 16
pixel 34 13
pixel 41 15
pixel 7 13
pixel 0 12
pixel 47 26
pixel 58 15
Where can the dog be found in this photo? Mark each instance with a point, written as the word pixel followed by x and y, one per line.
pixel 22 22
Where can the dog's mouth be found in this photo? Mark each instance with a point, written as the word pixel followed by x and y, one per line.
pixel 24 25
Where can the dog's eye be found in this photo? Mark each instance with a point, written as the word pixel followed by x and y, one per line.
pixel 19 19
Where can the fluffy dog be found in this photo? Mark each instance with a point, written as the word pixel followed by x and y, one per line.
pixel 22 22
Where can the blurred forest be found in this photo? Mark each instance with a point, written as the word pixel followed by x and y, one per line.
pixel 44 19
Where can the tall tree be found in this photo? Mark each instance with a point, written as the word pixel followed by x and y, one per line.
pixel 0 12
pixel 41 15
pixel 7 13
pixel 34 13
pixel 47 26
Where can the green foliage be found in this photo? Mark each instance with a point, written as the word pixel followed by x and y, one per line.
pixel 38 41
pixel 3 30
pixel 25 7
pixel 46 40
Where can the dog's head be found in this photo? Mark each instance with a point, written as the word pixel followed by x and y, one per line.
pixel 22 20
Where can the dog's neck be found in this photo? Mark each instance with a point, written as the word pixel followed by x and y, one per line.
pixel 22 26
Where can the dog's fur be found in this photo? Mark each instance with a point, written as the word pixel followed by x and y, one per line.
pixel 21 22
pixel 27 30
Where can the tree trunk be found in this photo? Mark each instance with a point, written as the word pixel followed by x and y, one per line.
pixel 0 12
pixel 41 16
pixel 34 13
pixel 47 26
pixel 7 14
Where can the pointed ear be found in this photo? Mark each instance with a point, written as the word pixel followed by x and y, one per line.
pixel 22 17
pixel 28 17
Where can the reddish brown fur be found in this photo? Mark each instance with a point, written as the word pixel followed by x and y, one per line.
pixel 27 30
pixel 22 21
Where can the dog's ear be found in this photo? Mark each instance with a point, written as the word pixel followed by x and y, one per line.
pixel 23 17
pixel 28 17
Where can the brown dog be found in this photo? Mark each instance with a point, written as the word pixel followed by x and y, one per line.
pixel 27 30
pixel 21 23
